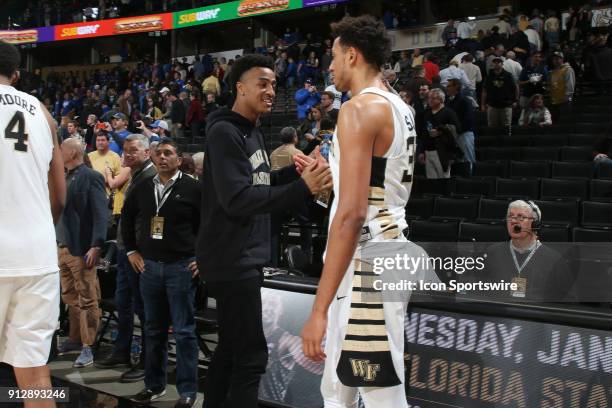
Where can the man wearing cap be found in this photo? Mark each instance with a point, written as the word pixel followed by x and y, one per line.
pixel 306 98
pixel 562 82
pixel 158 130
pixel 499 93
pixel 118 132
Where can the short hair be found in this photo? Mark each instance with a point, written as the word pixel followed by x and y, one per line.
pixel 170 142
pixel 511 55
pixel 366 34
pixel 144 141
pixel 198 159
pixel 9 59
pixel 330 94
pixel 439 93
pixel 246 63
pixel 467 58
pixel 327 124
pixel 103 134
pixel 456 83
pixel 522 204
pixel 287 134
pixel 75 143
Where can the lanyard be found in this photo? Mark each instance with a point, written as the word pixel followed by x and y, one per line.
pixel 159 203
pixel 531 253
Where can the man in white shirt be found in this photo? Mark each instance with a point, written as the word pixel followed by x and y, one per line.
pixel 464 29
pixel 337 96
pixel 512 66
pixel 453 71
pixel 505 28
pixel 534 39
pixel 473 74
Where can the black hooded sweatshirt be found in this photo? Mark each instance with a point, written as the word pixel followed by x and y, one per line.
pixel 239 193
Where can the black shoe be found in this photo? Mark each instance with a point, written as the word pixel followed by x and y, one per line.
pixel 146 396
pixel 113 361
pixel 186 402
pixel 135 374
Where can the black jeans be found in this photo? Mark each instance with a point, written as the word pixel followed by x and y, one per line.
pixel 241 356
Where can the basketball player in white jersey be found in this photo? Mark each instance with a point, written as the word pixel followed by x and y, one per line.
pixel 32 195
pixel 371 159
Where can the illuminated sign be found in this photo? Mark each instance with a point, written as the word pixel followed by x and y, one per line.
pixel 313 3
pixel 117 26
pixel 231 11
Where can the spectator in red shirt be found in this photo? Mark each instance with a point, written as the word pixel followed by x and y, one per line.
pixel 431 66
pixel 195 114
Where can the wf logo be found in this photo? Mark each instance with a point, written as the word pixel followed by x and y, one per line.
pixel 363 368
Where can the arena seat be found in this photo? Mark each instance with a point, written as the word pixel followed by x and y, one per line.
pixel 490 210
pixel 500 153
pixel 520 169
pixel 600 190
pixel 559 212
pixel 433 231
pixel 581 139
pixel 576 153
pixel 553 189
pixel 554 233
pixel 419 208
pixel 473 186
pixel 551 139
pixel 605 171
pixel 591 235
pixel 482 232
pixel 455 208
pixel 517 189
pixel 490 169
pixel 539 153
pixel 436 187
pixel 596 214
pixel 572 169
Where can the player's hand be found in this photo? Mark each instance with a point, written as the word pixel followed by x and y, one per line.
pixel 312 336
pixel 137 262
pixel 193 268
pixel 317 177
pixel 91 257
pixel 301 161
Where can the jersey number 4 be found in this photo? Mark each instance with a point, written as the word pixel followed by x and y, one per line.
pixel 16 130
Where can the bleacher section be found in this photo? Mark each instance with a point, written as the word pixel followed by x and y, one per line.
pixel 552 166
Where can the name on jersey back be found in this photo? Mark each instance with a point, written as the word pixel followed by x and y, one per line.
pixel 10 99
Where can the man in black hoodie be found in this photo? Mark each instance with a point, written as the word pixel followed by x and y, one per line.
pixel 239 193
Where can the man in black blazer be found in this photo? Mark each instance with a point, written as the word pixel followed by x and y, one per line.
pixel 80 235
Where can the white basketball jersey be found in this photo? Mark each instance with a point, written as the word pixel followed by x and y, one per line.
pixel 27 235
pixel 391 176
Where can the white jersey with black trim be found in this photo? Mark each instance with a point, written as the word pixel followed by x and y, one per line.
pixel 391 176
pixel 27 235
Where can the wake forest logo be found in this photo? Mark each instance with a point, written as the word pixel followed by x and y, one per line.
pixel 363 369
pixel 257 159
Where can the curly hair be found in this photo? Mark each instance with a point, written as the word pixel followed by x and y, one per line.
pixel 245 63
pixel 366 34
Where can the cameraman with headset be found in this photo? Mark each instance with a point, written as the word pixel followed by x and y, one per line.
pixel 540 273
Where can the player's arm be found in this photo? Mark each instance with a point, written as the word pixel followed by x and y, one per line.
pixel 56 178
pixel 358 125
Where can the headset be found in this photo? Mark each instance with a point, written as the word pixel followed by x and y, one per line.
pixel 536 224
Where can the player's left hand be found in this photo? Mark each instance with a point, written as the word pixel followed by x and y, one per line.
pixel 312 336
pixel 193 267
pixel 91 257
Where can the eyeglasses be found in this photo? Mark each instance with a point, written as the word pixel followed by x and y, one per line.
pixel 519 218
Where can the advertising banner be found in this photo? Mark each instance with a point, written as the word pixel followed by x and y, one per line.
pixel 232 10
pixel 117 26
pixel 454 360
pixel 313 3
pixel 34 35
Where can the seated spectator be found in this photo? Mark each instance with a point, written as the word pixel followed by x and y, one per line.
pixel 535 113
pixel 306 98
pixel 283 155
pixel 198 161
pixel 539 272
